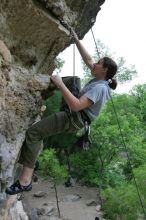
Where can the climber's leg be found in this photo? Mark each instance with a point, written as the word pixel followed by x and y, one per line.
pixel 56 123
pixel 26 176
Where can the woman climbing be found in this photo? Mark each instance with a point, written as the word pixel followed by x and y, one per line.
pixel 91 100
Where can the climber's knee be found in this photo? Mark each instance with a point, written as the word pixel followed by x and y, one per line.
pixel 33 133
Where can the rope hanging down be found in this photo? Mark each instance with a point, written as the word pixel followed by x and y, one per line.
pixel 74 50
pixel 74 71
pixel 123 142
pixel 95 43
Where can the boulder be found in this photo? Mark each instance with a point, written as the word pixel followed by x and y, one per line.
pixel 40 194
pixel 91 203
pixel 72 198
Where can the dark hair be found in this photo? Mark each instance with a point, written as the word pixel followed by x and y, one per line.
pixel 111 71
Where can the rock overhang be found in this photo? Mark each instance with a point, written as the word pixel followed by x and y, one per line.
pixel 33 31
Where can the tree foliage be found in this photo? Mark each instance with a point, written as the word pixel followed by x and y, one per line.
pixel 50 166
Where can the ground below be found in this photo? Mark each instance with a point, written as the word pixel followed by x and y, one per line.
pixel 76 202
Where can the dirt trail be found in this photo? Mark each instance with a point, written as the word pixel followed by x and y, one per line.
pixel 70 209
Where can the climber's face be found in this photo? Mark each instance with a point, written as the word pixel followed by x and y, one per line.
pixel 99 71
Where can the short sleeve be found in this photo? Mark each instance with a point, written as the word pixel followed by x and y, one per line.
pixel 95 93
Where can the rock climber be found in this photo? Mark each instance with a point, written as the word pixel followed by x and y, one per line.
pixel 91 100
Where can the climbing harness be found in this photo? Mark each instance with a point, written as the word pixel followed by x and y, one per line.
pixel 123 141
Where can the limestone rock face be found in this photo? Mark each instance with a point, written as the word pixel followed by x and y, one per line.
pixel 31 37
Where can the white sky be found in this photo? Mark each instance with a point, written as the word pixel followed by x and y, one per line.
pixel 121 26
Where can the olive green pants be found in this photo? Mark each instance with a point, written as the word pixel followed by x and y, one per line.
pixel 51 125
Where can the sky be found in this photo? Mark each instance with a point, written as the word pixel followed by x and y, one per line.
pixel 120 25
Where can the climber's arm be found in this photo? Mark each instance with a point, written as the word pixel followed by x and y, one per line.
pixel 74 103
pixel 85 55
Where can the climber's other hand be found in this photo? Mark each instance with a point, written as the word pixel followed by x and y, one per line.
pixel 57 80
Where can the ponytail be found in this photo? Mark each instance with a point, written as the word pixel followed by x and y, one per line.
pixel 111 71
pixel 113 84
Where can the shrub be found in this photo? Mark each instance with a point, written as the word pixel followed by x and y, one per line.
pixel 50 166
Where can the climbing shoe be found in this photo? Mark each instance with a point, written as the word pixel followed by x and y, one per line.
pixel 16 188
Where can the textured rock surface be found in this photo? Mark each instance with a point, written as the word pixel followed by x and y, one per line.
pixel 31 36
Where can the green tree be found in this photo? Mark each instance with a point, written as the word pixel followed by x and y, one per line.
pixel 123 202
pixel 139 94
pixel 50 167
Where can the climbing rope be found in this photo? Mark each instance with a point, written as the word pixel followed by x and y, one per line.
pixel 123 141
pixel 74 69
pixel 74 53
pixel 98 53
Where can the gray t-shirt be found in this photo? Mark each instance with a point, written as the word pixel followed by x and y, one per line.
pixel 98 92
